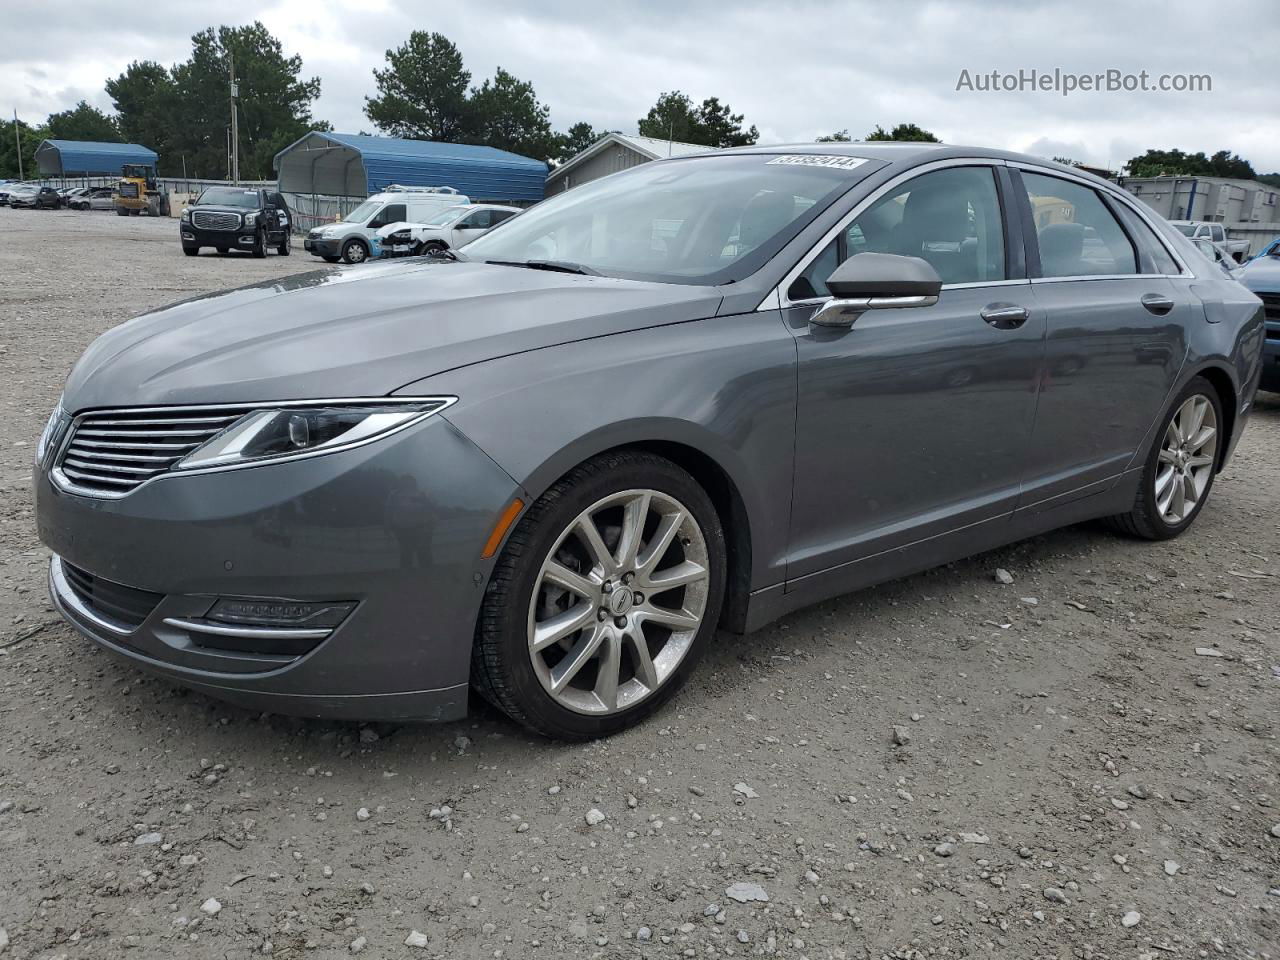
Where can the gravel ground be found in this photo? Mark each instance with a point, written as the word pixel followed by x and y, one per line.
pixel 946 766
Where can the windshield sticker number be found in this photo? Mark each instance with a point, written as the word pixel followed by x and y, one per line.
pixel 819 160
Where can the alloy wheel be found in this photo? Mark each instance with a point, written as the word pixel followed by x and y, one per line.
pixel 618 602
pixel 1186 461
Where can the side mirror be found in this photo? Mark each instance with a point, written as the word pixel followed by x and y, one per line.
pixel 877 281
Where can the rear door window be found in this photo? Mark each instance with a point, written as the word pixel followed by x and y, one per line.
pixel 1076 233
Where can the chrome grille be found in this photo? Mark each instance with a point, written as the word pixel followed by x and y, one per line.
pixel 1271 306
pixel 114 451
pixel 212 220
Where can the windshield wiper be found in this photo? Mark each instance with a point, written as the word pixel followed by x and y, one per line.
pixel 558 266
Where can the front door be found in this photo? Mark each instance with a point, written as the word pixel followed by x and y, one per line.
pixel 915 421
pixel 1115 339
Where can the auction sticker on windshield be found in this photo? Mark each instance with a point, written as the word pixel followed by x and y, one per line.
pixel 819 160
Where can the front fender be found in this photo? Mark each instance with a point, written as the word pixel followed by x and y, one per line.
pixel 724 386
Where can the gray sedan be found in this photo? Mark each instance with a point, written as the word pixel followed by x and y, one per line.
pixel 700 393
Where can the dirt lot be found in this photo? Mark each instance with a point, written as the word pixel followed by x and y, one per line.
pixel 947 766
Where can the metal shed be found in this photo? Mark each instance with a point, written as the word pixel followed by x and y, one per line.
pixel 354 165
pixel 86 158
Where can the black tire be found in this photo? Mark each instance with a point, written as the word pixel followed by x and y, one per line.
pixel 432 248
pixel 259 247
pixel 122 211
pixel 501 669
pixel 355 251
pixel 190 251
pixel 221 250
pixel 286 245
pixel 1144 520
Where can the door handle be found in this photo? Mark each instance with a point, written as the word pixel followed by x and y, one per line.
pixel 1157 303
pixel 1005 316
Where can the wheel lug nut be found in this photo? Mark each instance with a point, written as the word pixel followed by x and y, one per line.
pixel 620 622
pixel 628 577
pixel 639 598
pixel 602 616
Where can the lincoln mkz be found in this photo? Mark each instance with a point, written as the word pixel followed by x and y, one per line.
pixel 697 394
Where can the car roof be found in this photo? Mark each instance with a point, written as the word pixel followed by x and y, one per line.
pixel 904 154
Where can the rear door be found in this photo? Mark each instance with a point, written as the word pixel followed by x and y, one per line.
pixel 914 422
pixel 1115 338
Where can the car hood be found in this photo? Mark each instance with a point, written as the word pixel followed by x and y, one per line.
pixel 362 331
pixel 1262 275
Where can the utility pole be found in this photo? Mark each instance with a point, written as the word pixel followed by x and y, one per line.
pixel 235 127
pixel 17 138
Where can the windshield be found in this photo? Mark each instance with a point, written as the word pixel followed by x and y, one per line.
pixel 362 213
pixel 707 220
pixel 1186 229
pixel 230 197
pixel 444 217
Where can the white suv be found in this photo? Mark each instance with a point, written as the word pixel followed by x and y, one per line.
pixel 351 239
pixel 447 230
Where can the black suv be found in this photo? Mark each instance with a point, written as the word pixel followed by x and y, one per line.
pixel 241 218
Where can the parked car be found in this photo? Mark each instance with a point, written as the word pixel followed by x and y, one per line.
pixel 449 229
pixel 36 197
pixel 1262 276
pixel 669 400
pixel 98 198
pixel 70 193
pixel 1206 230
pixel 6 189
pixel 1217 254
pixel 351 239
pixel 237 218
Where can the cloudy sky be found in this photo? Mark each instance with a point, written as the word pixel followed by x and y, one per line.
pixel 795 68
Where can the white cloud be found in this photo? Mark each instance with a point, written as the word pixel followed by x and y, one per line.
pixel 795 70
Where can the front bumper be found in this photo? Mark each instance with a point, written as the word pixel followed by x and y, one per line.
pixel 1271 358
pixel 397 527
pixel 195 237
pixel 322 247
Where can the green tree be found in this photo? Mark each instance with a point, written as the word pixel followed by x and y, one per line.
pixel 505 113
pixel 577 138
pixel 83 122
pixel 422 93
pixel 903 132
pixel 721 127
pixel 712 124
pixel 31 137
pixel 840 136
pixel 1175 163
pixel 274 104
pixel 146 102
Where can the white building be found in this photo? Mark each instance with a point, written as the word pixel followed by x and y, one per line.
pixel 614 152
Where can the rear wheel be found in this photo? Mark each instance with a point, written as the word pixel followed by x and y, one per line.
pixel 1180 469
pixel 603 598
pixel 190 251
pixel 355 251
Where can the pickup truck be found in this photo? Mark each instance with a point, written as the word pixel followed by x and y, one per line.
pixel 1203 229
pixel 237 218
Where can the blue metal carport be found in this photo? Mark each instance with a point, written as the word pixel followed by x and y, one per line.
pixel 352 165
pixel 86 158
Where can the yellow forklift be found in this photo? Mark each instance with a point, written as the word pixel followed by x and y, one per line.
pixel 138 191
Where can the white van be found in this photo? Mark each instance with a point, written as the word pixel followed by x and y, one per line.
pixel 351 238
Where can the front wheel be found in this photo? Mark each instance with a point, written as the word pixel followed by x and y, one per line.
pixel 259 245
pixel 355 251
pixel 190 251
pixel 286 244
pixel 605 595
pixel 1180 468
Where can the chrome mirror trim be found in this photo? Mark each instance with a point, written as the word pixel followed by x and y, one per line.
pixel 842 313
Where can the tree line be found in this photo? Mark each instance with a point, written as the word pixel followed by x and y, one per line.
pixel 424 91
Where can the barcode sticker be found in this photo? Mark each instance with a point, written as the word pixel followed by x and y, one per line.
pixel 819 160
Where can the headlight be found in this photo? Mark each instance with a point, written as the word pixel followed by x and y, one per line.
pixel 250 219
pixel 186 215
pixel 293 432
pixel 51 430
pixel 400 236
